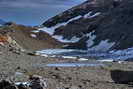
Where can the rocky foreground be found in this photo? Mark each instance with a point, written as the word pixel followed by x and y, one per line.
pixel 18 70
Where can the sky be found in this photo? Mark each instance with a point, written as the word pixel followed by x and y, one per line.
pixel 33 12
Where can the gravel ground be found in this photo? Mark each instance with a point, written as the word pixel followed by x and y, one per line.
pixel 20 65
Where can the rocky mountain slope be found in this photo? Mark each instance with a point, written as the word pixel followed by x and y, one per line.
pixel 26 38
pixel 94 25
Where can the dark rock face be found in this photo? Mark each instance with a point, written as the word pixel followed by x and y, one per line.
pixel 100 5
pixel 114 24
pixel 5 84
pixel 122 77
pixel 117 26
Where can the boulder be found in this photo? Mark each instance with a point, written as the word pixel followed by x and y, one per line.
pixel 6 84
pixel 37 82
pixel 21 86
pixel 121 76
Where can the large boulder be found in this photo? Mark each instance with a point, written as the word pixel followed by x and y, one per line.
pixel 122 77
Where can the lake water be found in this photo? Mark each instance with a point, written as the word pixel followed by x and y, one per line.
pixel 114 55
pixel 33 12
pixel 74 64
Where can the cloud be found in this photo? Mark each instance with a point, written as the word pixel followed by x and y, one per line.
pixel 33 3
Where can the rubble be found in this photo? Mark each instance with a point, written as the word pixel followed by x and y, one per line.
pixel 35 82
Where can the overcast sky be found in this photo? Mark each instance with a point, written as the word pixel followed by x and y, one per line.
pixel 33 12
pixel 36 3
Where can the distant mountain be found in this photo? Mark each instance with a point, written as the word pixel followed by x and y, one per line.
pixel 94 25
pixel 2 22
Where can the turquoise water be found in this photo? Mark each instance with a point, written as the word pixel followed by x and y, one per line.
pixel 74 65
pixel 33 12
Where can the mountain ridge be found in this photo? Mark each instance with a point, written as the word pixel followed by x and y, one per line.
pixel 102 15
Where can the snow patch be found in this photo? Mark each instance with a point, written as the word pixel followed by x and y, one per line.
pixel 90 42
pixel 35 31
pixel 53 56
pixel 111 60
pixel 72 40
pixel 44 55
pixel 83 59
pixel 33 35
pixel 69 57
pixel 57 51
pixel 106 60
pixel 41 54
pixel 96 14
pixel 24 83
pixel 75 18
pixel 51 30
pixel 88 15
pixel 103 46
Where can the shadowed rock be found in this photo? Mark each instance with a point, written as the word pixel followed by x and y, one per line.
pixel 21 86
pixel 37 82
pixel 6 84
pixel 122 77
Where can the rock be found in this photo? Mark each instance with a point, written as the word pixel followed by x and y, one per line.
pixel 6 84
pixel 122 77
pixel 21 86
pixel 3 39
pixel 31 53
pixel 10 87
pixel 37 82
